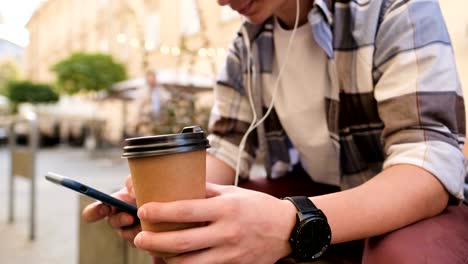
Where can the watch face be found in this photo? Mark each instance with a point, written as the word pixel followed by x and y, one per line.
pixel 313 238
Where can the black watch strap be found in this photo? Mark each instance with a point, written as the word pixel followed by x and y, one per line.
pixel 303 204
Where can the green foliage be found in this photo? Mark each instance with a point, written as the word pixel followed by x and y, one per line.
pixel 88 72
pixel 27 92
pixel 9 71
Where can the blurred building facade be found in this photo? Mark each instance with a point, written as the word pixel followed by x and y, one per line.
pixel 141 34
pixel 156 34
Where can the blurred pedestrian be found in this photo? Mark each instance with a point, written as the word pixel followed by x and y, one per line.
pixel 152 104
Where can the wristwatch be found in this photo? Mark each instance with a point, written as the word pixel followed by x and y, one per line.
pixel 311 235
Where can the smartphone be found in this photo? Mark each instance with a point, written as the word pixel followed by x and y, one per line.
pixel 88 191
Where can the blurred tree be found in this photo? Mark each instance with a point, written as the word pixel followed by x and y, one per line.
pixel 88 72
pixel 28 92
pixel 9 71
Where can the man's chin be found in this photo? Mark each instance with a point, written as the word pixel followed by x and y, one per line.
pixel 256 20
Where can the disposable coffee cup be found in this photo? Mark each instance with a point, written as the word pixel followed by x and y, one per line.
pixel 168 168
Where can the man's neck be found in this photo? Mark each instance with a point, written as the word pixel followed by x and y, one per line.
pixel 287 13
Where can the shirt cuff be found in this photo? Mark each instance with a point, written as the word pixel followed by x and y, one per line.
pixel 443 160
pixel 228 153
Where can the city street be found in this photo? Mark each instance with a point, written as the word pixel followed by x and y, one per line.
pixel 57 208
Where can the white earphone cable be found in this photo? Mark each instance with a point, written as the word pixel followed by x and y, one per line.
pixel 254 124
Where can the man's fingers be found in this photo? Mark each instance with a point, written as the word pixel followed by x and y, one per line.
pixel 181 211
pixel 124 195
pixel 211 255
pixel 181 241
pixel 120 220
pixel 129 234
pixel 213 190
pixel 184 211
pixel 129 186
pixel 95 211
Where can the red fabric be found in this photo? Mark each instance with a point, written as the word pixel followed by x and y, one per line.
pixel 297 183
pixel 440 239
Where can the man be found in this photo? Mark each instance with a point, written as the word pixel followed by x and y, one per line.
pixel 390 136
pixel 151 105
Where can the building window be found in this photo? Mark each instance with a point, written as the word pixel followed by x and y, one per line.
pixel 190 20
pixel 228 14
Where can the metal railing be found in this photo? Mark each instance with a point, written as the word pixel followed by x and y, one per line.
pixel 23 164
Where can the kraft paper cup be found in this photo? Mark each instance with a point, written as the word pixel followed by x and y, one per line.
pixel 168 168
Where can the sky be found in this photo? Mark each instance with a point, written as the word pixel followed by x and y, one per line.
pixel 15 15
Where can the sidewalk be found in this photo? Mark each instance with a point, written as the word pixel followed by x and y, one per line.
pixel 57 208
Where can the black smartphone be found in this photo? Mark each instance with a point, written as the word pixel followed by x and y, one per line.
pixel 88 191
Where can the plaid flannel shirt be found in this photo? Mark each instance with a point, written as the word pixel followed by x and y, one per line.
pixel 395 96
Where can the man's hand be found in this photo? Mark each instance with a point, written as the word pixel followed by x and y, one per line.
pixel 121 221
pixel 243 226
